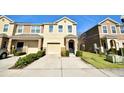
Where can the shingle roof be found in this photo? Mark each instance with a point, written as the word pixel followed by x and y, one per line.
pixel 27 37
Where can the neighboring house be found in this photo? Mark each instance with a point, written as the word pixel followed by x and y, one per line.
pixel 105 35
pixel 53 37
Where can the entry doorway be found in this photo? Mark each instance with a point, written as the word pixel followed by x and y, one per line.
pixel 113 43
pixel 71 46
pixel 20 46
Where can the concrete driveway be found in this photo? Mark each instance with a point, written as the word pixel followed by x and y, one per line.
pixel 54 66
pixel 7 62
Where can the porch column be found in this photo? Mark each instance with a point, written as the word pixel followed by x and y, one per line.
pixel 108 44
pixel 9 45
pixel 39 44
pixel 67 44
pixel 1 39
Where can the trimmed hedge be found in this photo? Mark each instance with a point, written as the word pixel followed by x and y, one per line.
pixel 78 53
pixel 40 54
pixel 65 53
pixel 28 59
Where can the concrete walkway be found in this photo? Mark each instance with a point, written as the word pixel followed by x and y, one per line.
pixel 54 66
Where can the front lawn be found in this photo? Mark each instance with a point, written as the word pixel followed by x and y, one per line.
pixel 99 61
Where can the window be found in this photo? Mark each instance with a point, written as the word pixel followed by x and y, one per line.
pixel 104 29
pixel 51 28
pixel 6 27
pixel 35 29
pixel 69 28
pixel 122 29
pixel 60 28
pixel 113 28
pixel 20 28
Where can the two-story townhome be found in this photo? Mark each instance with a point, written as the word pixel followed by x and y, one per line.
pixel 27 37
pixel 103 36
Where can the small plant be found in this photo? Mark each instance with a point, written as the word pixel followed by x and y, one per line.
pixel 78 53
pixel 65 53
pixel 121 51
pixel 112 51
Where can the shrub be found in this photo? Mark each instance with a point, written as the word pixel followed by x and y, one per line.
pixel 19 53
pixel 40 54
pixel 24 61
pixel 112 51
pixel 65 53
pixel 120 51
pixel 78 53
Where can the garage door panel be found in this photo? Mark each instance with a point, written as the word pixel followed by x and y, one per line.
pixel 32 46
pixel 53 49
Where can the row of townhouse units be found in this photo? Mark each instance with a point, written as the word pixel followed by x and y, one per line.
pixel 105 35
pixel 27 37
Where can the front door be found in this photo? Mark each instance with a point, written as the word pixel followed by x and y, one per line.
pixel 71 46
pixel 20 46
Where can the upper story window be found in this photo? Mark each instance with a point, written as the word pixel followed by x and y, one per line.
pixel 69 28
pixel 60 28
pixel 35 29
pixel 6 27
pixel 20 29
pixel 113 28
pixel 104 29
pixel 122 29
pixel 51 28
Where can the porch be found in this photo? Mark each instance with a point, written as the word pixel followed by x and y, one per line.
pixel 71 43
pixel 109 42
pixel 29 43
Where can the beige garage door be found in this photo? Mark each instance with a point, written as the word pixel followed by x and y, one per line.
pixel 32 46
pixel 53 48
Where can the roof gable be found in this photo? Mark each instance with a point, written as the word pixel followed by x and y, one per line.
pixel 6 18
pixel 66 19
pixel 109 20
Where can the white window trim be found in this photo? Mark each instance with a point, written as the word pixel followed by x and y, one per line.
pixel 111 29
pixel 35 30
pixel 120 31
pixel 8 28
pixel 71 28
pixel 58 28
pixel 22 29
pixel 102 29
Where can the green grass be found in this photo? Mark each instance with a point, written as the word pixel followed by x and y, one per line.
pixel 99 61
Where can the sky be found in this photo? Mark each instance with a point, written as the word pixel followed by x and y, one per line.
pixel 84 22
